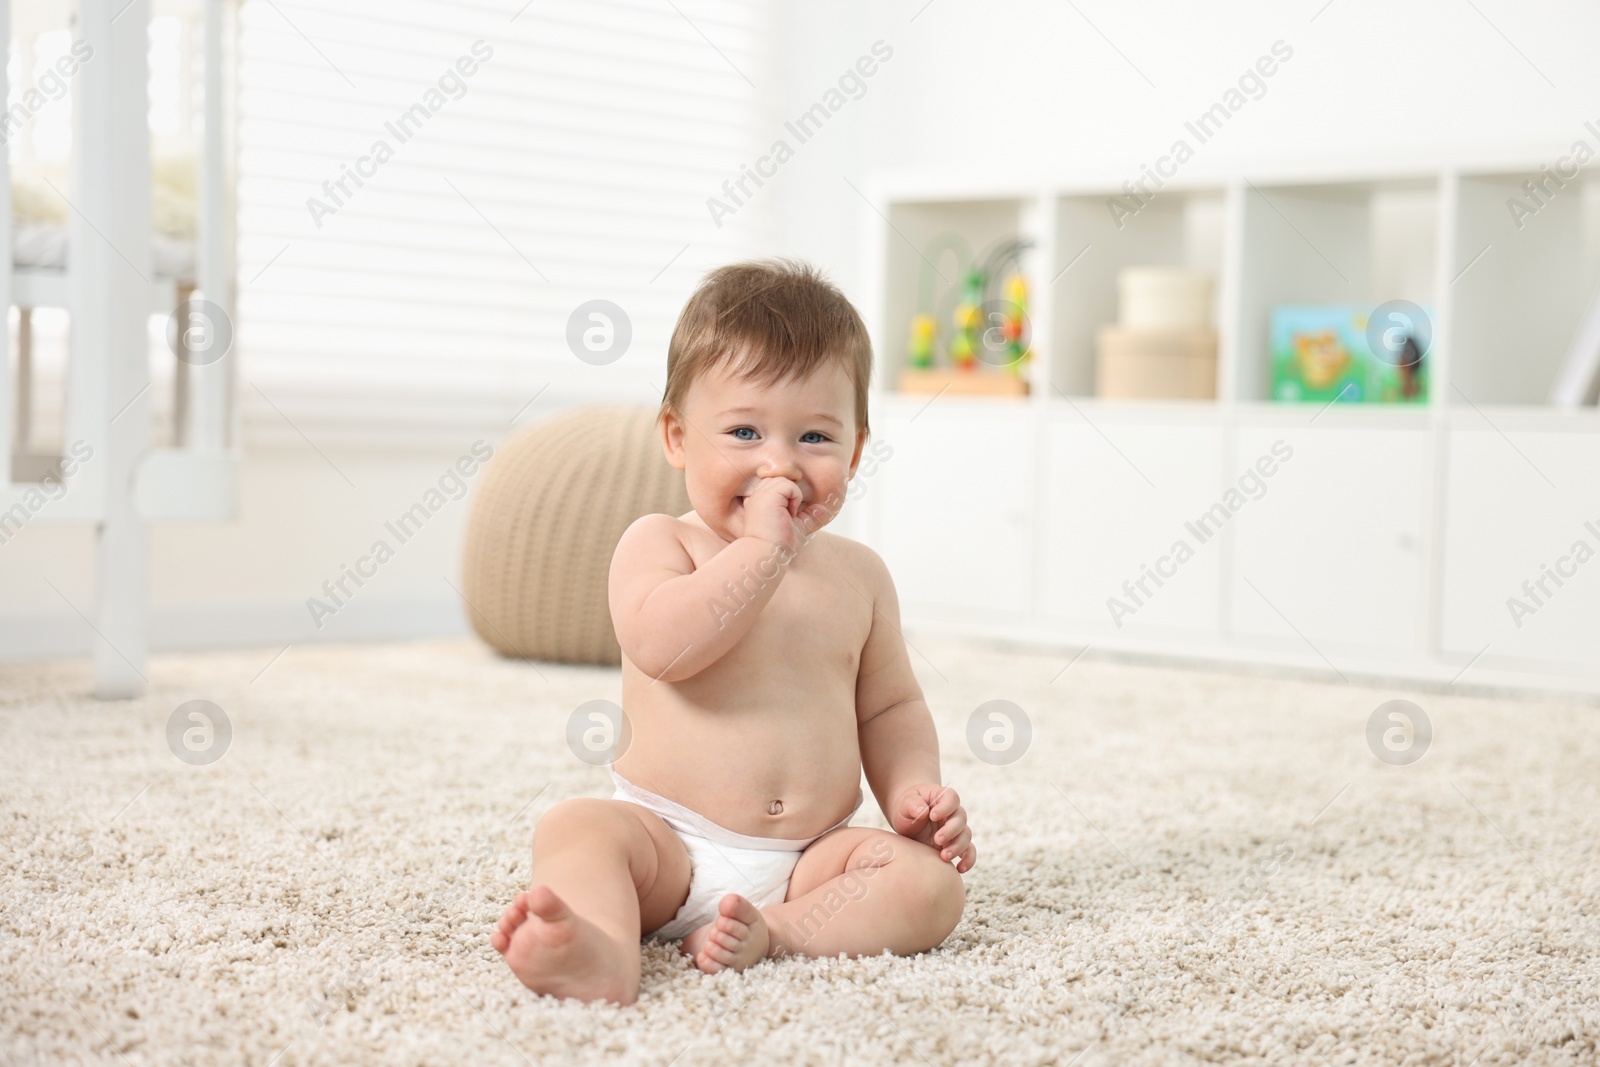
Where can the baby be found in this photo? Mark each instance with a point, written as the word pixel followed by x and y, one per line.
pixel 762 671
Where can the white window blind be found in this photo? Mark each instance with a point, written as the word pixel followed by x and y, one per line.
pixel 573 163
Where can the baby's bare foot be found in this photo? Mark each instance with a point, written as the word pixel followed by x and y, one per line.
pixel 734 940
pixel 553 950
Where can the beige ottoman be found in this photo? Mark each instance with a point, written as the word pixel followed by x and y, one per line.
pixel 548 513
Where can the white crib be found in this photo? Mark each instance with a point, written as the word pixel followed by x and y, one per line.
pixel 106 265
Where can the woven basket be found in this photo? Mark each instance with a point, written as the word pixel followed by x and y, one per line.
pixel 549 510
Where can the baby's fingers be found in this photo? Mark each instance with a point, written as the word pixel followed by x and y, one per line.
pixel 952 828
pixel 944 805
pixel 969 860
pixel 913 812
pixel 957 845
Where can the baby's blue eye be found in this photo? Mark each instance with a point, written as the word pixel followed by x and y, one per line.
pixel 814 433
pixel 743 429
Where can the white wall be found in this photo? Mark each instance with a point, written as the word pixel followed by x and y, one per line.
pixel 1020 90
pixel 1002 90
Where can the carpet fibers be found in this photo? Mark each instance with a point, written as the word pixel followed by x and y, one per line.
pixel 1183 867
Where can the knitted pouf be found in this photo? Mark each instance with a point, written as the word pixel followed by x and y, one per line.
pixel 550 508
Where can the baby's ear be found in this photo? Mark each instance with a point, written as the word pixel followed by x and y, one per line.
pixel 672 439
pixel 861 443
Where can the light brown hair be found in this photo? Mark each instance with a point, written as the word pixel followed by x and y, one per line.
pixel 784 314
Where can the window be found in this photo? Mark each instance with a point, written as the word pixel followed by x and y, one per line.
pixel 427 194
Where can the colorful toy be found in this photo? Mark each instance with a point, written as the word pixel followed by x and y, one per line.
pixel 1013 326
pixel 968 322
pixel 1321 354
pixel 1008 342
pixel 986 325
pixel 919 349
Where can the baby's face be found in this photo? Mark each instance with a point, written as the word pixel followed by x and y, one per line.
pixel 736 433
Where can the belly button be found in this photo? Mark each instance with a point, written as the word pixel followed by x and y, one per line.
pixel 775 808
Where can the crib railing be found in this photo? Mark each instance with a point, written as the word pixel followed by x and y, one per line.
pixel 107 473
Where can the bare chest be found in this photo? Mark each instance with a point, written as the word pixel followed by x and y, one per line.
pixel 816 621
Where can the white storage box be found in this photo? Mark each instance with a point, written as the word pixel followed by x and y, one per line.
pixel 1164 298
pixel 1135 364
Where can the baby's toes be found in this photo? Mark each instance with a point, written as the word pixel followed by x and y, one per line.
pixel 714 957
pixel 515 915
pixel 733 928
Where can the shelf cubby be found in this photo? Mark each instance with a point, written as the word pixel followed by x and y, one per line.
pixel 1339 243
pixel 1094 242
pixel 912 262
pixel 1520 284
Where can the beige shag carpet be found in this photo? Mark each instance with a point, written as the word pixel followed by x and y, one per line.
pixel 1185 867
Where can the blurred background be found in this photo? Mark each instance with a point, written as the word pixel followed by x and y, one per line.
pixel 1258 333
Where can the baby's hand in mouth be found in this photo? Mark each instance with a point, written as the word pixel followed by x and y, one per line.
pixel 773 510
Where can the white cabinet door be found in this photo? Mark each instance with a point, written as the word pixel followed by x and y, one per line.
pixel 955 506
pixel 1117 495
pixel 1522 562
pixel 1329 556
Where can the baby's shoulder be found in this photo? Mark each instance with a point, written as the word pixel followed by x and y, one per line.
pixel 853 559
pixel 655 540
pixel 656 526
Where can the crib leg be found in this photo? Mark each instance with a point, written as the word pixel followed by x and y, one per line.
pixel 23 424
pixel 111 268
pixel 180 379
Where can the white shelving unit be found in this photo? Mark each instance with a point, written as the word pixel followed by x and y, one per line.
pixel 1388 545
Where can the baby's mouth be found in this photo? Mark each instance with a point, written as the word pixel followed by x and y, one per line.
pixel 738 502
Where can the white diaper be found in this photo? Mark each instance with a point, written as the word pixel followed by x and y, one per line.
pixel 721 861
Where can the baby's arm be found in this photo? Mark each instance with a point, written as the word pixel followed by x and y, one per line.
pixel 899 748
pixel 673 620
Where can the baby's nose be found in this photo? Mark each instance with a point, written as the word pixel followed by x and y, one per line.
pixel 779 463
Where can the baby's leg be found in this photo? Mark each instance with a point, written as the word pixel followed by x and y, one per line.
pixel 602 871
pixel 860 891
